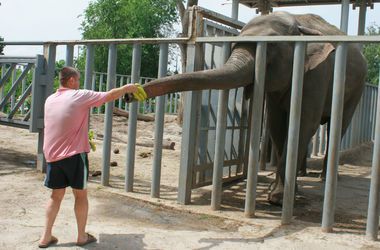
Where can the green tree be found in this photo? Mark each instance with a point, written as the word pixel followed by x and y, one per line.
pixel 372 54
pixel 107 19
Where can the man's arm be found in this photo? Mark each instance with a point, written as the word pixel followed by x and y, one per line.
pixel 116 93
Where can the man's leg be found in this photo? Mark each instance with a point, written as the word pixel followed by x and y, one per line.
pixel 81 212
pixel 52 209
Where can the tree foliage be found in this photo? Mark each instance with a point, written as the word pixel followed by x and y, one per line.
pixel 372 54
pixel 107 19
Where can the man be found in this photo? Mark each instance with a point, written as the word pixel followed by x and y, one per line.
pixel 66 146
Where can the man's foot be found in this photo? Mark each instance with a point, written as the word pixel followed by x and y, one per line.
pixel 90 239
pixel 53 240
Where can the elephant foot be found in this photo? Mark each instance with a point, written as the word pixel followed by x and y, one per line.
pixel 302 172
pixel 275 195
pixel 322 176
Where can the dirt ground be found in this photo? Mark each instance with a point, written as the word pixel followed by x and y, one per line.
pixel 123 220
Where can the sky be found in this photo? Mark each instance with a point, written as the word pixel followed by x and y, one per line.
pixel 43 20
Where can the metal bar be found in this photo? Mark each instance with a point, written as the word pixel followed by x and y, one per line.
pixel 256 122
pixel 93 86
pixel 293 134
pixel 221 124
pixel 13 89
pixel 5 78
pixel 15 84
pixel 2 88
pixel 100 41
pixel 235 10
pixel 315 143
pixel 344 16
pixel 350 39
pixel 89 68
pixel 132 121
pixel 335 135
pixel 20 102
pixel 69 55
pixel 23 86
pixel 100 89
pixel 159 125
pixel 17 60
pixel 374 192
pixel 121 83
pixel 322 144
pixel 342 38
pixel 111 77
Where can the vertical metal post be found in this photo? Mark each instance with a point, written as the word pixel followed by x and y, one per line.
pixel 101 79
pixel 293 134
pixel 132 121
pixel 3 68
pixel 89 68
pixel 111 77
pixel 93 84
pixel 221 124
pixel 256 122
pixel 13 97
pixel 23 87
pixel 235 9
pixel 335 135
pixel 69 55
pixel 159 124
pixel 323 139
pixel 316 140
pixel 45 89
pixel 344 15
pixel 121 83
pixel 374 192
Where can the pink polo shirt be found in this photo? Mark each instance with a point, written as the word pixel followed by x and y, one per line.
pixel 66 122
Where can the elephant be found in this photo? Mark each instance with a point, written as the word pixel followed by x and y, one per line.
pixel 239 71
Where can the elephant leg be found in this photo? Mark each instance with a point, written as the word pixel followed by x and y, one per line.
pixel 303 171
pixel 277 124
pixel 348 112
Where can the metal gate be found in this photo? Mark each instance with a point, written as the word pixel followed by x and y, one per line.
pixel 200 113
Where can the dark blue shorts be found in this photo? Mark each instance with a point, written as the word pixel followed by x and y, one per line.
pixel 68 172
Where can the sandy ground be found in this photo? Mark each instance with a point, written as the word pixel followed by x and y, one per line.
pixel 123 220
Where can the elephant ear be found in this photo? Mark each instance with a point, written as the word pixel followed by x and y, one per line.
pixel 315 55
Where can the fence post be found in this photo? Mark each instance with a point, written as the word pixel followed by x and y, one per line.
pixel 111 77
pixel 221 124
pixel 335 137
pixel 159 124
pixel 69 55
pixel 256 122
pixel 374 192
pixel 132 121
pixel 89 68
pixel 293 134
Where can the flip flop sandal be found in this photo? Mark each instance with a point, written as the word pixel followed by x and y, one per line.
pixel 90 239
pixel 53 241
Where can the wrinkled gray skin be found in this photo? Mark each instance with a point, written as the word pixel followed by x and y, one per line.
pixel 318 80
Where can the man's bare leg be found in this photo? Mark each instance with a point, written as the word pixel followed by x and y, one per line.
pixel 52 209
pixel 81 212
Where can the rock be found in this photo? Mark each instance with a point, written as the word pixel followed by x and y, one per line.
pixel 96 173
pixel 145 154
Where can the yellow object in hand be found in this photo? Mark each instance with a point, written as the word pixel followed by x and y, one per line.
pixel 140 94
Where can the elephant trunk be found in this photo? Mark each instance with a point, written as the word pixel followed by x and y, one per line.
pixel 238 71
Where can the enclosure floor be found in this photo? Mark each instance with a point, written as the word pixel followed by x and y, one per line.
pixel 135 221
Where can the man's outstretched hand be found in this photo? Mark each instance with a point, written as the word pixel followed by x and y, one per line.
pixel 139 95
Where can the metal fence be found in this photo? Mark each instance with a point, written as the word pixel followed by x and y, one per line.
pixel 192 99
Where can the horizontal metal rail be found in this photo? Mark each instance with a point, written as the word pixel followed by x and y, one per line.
pixel 349 39
pixel 100 41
